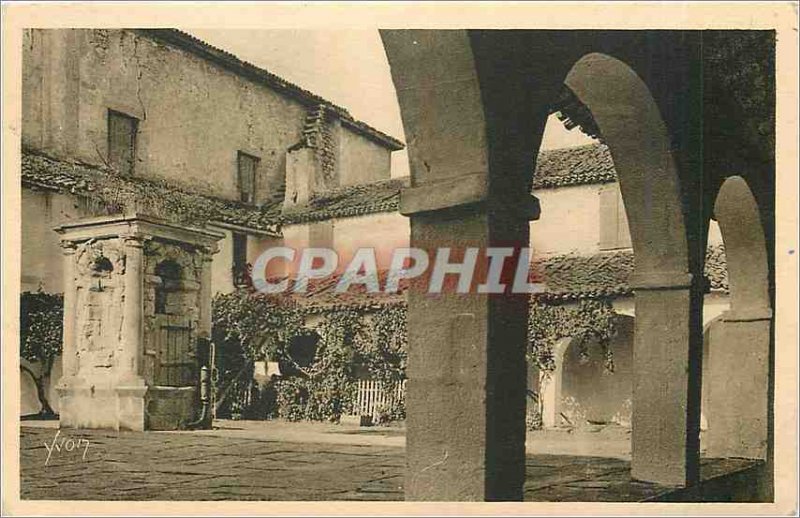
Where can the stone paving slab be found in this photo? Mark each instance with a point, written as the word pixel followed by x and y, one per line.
pixel 197 466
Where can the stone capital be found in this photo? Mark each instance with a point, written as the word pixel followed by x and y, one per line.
pixel 208 251
pixel 465 190
pixel 754 314
pixel 133 240
pixel 68 247
pixel 661 280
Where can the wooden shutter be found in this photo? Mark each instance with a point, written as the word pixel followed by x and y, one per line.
pixel 121 142
pixel 608 217
pixel 247 177
pixel 623 232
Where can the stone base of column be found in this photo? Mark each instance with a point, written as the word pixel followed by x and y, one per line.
pixel 738 379
pixel 131 404
pixel 101 406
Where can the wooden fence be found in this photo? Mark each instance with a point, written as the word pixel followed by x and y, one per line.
pixel 372 396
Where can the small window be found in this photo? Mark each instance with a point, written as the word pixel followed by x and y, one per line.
pixel 614 231
pixel 239 259
pixel 247 165
pixel 122 141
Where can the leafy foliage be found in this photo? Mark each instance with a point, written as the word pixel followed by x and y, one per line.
pixel 41 330
pixel 386 354
pixel 41 326
pixel 549 324
pixel 259 327
pixel 261 324
pixel 350 340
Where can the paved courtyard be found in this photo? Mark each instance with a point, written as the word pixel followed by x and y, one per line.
pixel 276 461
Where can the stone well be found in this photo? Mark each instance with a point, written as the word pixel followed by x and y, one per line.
pixel 137 322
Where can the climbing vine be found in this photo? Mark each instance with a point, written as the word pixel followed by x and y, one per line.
pixel 351 340
pixel 549 324
pixel 258 327
pixel 263 325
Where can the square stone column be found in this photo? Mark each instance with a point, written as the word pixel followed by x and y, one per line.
pixel 738 381
pixel 108 317
pixel 667 359
pixel 466 388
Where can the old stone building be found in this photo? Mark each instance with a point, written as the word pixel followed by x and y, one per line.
pixel 159 122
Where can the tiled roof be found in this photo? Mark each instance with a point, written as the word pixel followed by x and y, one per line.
pixel 574 277
pixel 555 168
pixel 226 59
pixel 566 278
pixel 350 201
pixel 574 166
pixel 116 192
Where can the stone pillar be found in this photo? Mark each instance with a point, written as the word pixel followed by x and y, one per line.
pixel 70 359
pixel 133 310
pixel 466 369
pixel 204 324
pixel 69 356
pixel 738 385
pixel 667 358
pixel 131 387
pixel 551 387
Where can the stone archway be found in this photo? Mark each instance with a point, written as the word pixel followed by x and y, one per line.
pixel 604 396
pixel 474 105
pixel 738 381
pixel 668 340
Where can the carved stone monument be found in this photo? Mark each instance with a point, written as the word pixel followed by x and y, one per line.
pixel 137 323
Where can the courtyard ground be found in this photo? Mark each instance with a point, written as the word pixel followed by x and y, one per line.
pixel 274 460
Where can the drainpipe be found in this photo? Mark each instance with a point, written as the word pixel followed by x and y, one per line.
pixel 205 400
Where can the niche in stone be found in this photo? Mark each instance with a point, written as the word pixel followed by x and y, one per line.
pixel 169 273
pixel 101 270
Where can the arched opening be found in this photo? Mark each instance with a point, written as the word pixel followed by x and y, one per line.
pixel 102 265
pixel 595 391
pixel 169 272
pixel 628 118
pixel 739 342
pixel 614 103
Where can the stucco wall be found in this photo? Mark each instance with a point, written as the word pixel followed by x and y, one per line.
pixel 571 219
pixel 591 392
pixel 384 232
pixel 42 264
pixel 361 160
pixel 193 115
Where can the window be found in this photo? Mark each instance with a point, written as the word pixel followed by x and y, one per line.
pixel 122 141
pixel 613 221
pixel 247 165
pixel 239 259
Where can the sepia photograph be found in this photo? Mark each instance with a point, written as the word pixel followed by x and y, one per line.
pixel 262 259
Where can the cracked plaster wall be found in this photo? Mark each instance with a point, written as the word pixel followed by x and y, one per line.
pixel 194 115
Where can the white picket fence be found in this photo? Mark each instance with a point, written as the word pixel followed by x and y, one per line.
pixel 372 396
